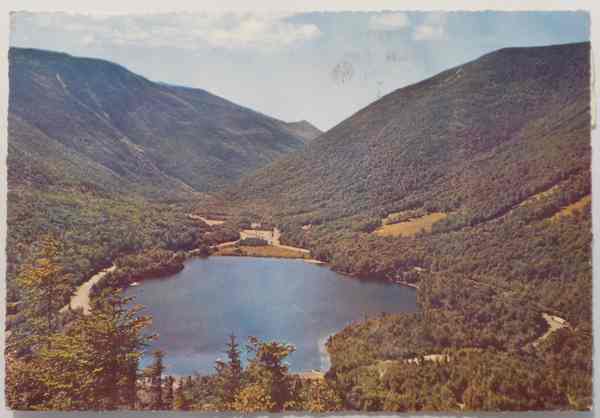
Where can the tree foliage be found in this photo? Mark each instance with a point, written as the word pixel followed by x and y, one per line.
pixel 90 364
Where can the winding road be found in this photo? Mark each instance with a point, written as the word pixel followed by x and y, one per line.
pixel 81 297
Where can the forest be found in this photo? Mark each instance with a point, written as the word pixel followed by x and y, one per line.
pixel 480 302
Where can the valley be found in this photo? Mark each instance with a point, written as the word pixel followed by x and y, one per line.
pixel 452 217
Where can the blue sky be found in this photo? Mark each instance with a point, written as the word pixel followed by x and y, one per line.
pixel 321 67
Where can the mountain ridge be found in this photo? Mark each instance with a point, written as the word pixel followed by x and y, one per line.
pixel 150 135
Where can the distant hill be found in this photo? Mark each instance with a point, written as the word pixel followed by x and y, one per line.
pixel 304 130
pixel 74 118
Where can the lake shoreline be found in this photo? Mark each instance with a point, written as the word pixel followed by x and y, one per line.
pixel 292 292
pixel 78 300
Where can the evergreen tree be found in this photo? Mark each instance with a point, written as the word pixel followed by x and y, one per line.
pixel 268 372
pixel 180 401
pixel 45 287
pixel 229 375
pixel 115 330
pixel 130 391
pixel 169 396
pixel 189 383
pixel 319 397
pixel 155 372
pixel 90 364
pixel 235 363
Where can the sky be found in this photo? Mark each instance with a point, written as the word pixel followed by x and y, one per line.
pixel 319 67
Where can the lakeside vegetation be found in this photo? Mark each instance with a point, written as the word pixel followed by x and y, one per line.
pixel 138 267
pixel 92 228
pixel 260 251
pixel 263 385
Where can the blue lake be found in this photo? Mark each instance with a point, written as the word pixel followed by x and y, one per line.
pixel 286 300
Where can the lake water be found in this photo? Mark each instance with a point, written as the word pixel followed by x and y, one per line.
pixel 275 299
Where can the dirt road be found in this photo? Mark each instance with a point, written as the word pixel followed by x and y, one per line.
pixel 81 298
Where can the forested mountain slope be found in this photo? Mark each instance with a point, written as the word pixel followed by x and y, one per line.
pixel 474 186
pixel 93 119
pixel 451 143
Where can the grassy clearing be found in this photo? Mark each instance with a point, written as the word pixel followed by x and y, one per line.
pixel 261 251
pixel 412 227
pixel 568 210
pixel 403 216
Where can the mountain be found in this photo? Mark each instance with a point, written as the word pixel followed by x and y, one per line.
pixel 448 143
pixel 106 161
pixel 76 118
pixel 473 186
pixel 304 130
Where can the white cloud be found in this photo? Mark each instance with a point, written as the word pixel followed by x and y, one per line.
pixel 389 21
pixel 188 31
pixel 433 28
pixel 262 32
pixel 88 40
pixel 429 33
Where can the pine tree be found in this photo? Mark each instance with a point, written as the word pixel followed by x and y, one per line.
pixel 235 363
pixel 268 370
pixel 130 390
pixel 155 372
pixel 169 393
pixel 45 288
pixel 115 330
pixel 180 401
pixel 229 375
pixel 90 364
pixel 189 383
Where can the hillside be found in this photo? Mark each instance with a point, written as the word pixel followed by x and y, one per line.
pixel 474 186
pixel 72 118
pixel 448 143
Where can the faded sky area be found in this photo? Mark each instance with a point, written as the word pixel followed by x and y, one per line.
pixel 321 67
